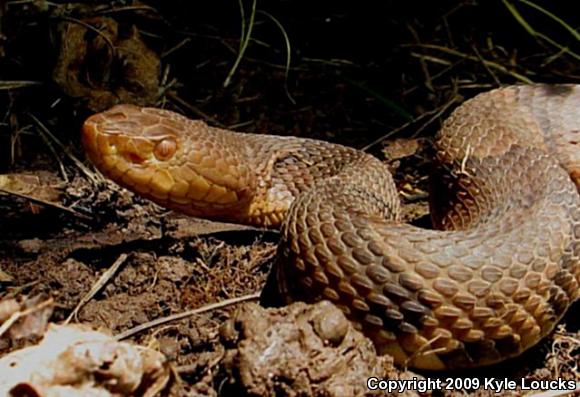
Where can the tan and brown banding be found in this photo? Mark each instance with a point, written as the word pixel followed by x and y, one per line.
pixel 494 280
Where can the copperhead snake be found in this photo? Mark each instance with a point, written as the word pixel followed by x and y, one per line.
pixel 493 279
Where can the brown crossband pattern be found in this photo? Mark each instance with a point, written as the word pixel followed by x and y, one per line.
pixel 495 278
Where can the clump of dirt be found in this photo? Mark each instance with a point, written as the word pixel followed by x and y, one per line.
pixel 299 350
pixel 74 361
pixel 104 65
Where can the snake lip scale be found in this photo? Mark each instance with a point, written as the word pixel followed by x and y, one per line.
pixel 493 279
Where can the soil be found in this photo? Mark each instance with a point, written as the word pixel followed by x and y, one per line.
pixel 378 76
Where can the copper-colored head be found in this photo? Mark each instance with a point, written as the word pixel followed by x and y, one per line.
pixel 163 156
pixel 131 132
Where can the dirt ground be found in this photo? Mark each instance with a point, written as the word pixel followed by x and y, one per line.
pixel 379 78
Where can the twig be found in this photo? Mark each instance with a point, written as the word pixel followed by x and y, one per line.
pixel 490 64
pixel 188 368
pixel 44 130
pixel 46 203
pixel 396 130
pixel 432 59
pixel 240 124
pixel 14 84
pixel 175 47
pixel 438 113
pixel 15 140
pixel 189 313
pixel 491 72
pixel 423 351
pixel 127 8
pixel 17 290
pixel 424 68
pixel 18 315
pixel 101 282
pixel 435 113
pixel 21 2
pixel 56 156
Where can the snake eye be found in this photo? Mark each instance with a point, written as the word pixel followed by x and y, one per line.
pixel 165 149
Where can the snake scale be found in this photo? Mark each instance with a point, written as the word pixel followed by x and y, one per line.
pixel 491 280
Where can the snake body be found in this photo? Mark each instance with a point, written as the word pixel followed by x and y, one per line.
pixel 494 279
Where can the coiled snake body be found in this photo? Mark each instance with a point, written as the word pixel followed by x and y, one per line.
pixel 493 280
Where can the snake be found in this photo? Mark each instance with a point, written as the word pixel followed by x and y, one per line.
pixel 493 276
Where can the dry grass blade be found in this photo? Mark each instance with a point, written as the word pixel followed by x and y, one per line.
pixel 245 40
pixel 5 277
pixel 56 155
pixel 554 17
pixel 436 113
pixel 15 84
pixel 101 282
pixel 490 64
pixel 539 35
pixel 288 53
pixel 127 8
pixel 175 48
pixel 15 145
pixel 18 315
pixel 395 131
pixel 46 133
pixel 189 313
pixel 489 70
pixel 45 203
pixel 243 23
pixel 521 20
pixel 432 116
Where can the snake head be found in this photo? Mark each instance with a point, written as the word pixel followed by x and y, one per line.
pixel 167 158
pixel 126 132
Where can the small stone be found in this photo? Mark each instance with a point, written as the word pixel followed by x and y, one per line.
pixel 331 325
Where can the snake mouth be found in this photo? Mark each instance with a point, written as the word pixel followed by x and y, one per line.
pixel 116 156
pixel 134 158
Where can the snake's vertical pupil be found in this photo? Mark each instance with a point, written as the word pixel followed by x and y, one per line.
pixel 165 149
